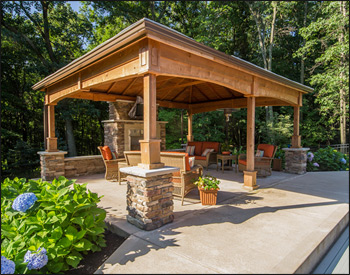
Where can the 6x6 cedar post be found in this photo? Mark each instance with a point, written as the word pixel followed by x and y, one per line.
pixel 150 145
pixel 296 139
pixel 189 136
pixel 250 174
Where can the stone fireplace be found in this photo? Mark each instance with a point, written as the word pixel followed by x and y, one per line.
pixel 123 133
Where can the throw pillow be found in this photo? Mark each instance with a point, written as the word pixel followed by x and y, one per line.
pixel 107 153
pixel 206 151
pixel 259 153
pixel 191 161
pixel 190 150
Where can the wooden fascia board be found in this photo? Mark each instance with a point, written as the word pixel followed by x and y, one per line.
pixel 170 37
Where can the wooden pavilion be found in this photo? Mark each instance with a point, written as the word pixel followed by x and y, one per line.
pixel 168 68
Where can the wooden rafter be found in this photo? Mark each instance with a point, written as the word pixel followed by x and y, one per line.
pixel 179 93
pixel 179 85
pixel 129 85
pixel 170 90
pixel 213 90
pixel 203 94
pixel 110 87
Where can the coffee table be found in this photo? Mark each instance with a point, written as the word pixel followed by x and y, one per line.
pixel 224 158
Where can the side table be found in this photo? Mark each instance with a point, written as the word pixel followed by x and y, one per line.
pixel 223 158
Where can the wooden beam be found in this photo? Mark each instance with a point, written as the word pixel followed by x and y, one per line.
pixel 213 105
pixel 170 104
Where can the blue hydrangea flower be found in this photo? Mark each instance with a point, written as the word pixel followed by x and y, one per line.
pixel 24 201
pixel 310 156
pixel 7 266
pixel 37 259
pixel 343 160
pixel 316 164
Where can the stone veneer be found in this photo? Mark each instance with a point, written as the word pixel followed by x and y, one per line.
pixel 149 198
pixel 52 164
pixel 295 160
pixel 84 165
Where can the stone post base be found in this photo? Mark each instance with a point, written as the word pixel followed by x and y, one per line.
pixel 149 196
pixel 295 160
pixel 52 164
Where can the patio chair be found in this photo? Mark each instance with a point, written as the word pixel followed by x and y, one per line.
pixel 261 164
pixel 112 164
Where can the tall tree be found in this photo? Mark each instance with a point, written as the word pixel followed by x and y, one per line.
pixel 329 36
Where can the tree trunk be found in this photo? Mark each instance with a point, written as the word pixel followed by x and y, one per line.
pixel 72 150
pixel 302 64
pixel 342 76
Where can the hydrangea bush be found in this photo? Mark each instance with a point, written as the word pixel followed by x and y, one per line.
pixel 46 227
pixel 327 159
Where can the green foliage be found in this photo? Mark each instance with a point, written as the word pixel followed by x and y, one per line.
pixel 65 220
pixel 208 182
pixel 328 159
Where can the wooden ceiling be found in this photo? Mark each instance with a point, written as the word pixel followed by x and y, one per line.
pixel 174 89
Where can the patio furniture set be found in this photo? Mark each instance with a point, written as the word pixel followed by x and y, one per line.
pixel 197 155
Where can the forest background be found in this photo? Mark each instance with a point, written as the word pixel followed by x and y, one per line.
pixel 306 41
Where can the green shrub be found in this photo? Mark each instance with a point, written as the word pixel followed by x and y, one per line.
pixel 65 220
pixel 327 159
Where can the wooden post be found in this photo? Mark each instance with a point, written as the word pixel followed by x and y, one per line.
pixel 296 139
pixel 150 146
pixel 250 174
pixel 45 126
pixel 51 145
pixel 189 136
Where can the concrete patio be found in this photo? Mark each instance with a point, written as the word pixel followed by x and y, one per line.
pixel 286 226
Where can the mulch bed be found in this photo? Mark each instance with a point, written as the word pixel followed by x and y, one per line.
pixel 93 260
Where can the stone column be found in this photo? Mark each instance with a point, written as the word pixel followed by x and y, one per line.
pixel 52 164
pixel 149 196
pixel 295 160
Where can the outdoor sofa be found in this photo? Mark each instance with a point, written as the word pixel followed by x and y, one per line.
pixel 199 149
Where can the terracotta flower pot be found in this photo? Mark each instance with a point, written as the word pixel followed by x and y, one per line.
pixel 208 197
pixel 226 152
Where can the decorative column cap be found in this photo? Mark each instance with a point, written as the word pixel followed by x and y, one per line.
pixel 295 149
pixel 145 173
pixel 52 153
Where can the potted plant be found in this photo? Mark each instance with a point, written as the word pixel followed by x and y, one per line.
pixel 277 161
pixel 225 148
pixel 208 187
